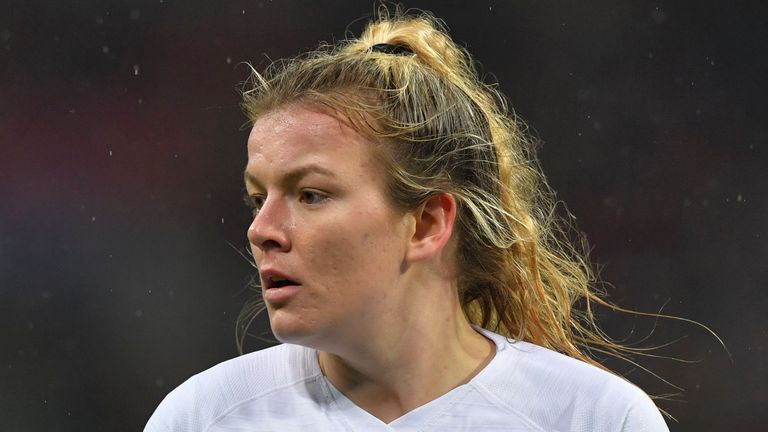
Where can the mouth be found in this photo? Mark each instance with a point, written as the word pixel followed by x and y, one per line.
pixel 278 287
pixel 278 282
pixel 281 294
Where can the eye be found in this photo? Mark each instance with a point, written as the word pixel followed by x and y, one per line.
pixel 254 202
pixel 312 197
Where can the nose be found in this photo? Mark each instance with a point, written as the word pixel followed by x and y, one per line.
pixel 268 230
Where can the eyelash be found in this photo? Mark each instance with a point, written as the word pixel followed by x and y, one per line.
pixel 255 202
pixel 250 202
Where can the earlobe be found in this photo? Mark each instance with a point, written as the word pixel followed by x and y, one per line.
pixel 434 220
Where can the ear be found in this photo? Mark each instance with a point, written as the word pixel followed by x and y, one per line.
pixel 434 220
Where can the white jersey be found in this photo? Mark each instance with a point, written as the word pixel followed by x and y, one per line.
pixel 524 388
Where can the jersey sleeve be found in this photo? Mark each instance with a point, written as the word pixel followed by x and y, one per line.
pixel 178 411
pixel 643 416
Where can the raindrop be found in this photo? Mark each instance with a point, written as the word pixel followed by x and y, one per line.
pixel 105 49
pixel 739 198
pixel 110 153
pixel 140 101
pixel 229 60
pixel 243 11
pixel 222 220
pixel 139 313
pixel 93 218
pixel 135 69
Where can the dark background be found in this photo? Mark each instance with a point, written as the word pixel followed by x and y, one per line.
pixel 122 147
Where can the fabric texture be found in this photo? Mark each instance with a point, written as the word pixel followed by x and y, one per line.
pixel 524 388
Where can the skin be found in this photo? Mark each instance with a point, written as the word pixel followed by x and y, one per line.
pixel 378 296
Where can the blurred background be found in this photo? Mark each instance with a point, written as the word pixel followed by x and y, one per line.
pixel 122 147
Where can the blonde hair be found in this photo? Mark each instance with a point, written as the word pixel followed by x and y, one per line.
pixel 439 128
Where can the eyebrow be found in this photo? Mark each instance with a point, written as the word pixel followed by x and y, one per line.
pixel 293 176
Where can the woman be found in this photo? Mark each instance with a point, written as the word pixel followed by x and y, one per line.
pixel 404 236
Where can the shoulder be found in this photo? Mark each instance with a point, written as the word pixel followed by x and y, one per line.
pixel 558 392
pixel 203 398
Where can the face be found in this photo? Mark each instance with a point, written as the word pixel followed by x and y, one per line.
pixel 322 220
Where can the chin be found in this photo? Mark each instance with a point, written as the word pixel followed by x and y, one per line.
pixel 291 329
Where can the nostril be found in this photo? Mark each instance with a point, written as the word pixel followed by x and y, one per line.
pixel 265 238
pixel 269 244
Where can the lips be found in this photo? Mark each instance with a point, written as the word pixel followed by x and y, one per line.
pixel 279 287
pixel 275 279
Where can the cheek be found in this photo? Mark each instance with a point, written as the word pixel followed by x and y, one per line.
pixel 334 256
pixel 355 259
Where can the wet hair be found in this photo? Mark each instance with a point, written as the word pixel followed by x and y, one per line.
pixel 523 270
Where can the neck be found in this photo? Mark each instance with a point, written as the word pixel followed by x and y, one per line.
pixel 409 362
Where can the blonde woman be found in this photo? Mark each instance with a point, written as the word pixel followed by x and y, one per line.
pixel 410 260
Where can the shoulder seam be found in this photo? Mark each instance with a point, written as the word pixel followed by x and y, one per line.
pixel 485 391
pixel 233 407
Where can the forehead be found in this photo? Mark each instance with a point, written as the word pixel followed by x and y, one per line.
pixel 294 135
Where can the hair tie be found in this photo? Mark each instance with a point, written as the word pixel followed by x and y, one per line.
pixel 391 49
